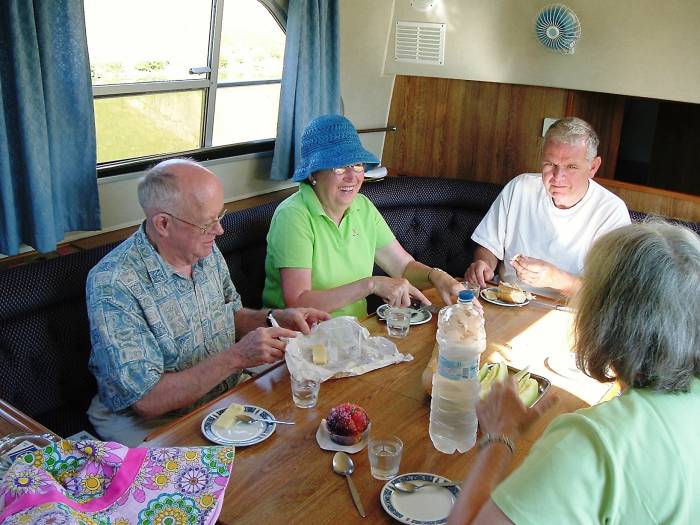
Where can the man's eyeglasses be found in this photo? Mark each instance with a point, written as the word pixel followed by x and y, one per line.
pixel 357 168
pixel 206 227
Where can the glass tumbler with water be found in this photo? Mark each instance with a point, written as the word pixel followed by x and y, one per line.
pixel 304 392
pixel 384 456
pixel 398 321
pixel 461 340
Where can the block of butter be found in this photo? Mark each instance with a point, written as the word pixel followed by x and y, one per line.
pixel 226 420
pixel 319 354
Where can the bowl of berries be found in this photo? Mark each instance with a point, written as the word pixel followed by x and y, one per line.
pixel 347 424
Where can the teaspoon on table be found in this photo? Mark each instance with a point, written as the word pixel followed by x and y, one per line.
pixel 343 465
pixel 410 487
pixel 245 418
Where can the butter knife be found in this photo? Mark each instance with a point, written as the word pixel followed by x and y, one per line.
pixel 559 307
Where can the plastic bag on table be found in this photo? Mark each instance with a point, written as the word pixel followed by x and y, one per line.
pixel 351 351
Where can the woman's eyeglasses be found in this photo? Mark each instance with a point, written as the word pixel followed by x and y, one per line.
pixel 203 229
pixel 357 168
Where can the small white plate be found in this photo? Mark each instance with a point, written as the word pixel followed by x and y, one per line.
pixel 417 316
pixel 498 301
pixel 324 440
pixel 241 434
pixel 564 364
pixel 427 506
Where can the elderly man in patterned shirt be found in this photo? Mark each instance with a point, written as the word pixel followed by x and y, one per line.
pixel 167 326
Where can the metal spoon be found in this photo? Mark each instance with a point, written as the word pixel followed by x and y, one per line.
pixel 245 418
pixel 410 486
pixel 343 465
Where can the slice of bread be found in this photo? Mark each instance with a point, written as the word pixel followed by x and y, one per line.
pixel 511 293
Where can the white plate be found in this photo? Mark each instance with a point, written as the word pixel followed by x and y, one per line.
pixel 564 364
pixel 241 434
pixel 427 506
pixel 498 301
pixel 417 316
pixel 324 440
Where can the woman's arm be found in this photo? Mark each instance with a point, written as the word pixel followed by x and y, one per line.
pixel 296 291
pixel 397 262
pixel 502 415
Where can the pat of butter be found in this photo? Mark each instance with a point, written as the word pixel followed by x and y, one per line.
pixel 319 354
pixel 226 420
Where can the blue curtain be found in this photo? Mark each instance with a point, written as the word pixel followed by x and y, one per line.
pixel 48 182
pixel 310 79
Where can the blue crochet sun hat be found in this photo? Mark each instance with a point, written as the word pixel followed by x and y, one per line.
pixel 328 142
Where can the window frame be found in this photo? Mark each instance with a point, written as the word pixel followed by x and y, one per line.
pixel 209 85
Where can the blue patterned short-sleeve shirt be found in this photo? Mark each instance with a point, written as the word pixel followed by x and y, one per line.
pixel 146 319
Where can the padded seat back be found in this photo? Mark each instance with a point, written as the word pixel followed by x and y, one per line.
pixel 45 340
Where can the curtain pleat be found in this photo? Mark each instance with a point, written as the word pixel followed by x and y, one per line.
pixel 310 79
pixel 48 182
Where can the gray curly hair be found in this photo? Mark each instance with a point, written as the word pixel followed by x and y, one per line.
pixel 571 131
pixel 639 307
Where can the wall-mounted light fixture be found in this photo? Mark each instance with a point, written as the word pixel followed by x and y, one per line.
pixel 423 5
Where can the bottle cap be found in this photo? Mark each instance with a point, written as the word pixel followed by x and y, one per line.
pixel 465 296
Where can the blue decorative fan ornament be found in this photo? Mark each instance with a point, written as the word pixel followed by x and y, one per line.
pixel 558 28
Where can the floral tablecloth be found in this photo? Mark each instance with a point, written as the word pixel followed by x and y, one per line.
pixel 105 483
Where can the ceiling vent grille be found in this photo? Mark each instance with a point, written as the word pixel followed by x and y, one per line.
pixel 420 43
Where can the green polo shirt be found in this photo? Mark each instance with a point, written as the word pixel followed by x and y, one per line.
pixel 302 236
pixel 629 460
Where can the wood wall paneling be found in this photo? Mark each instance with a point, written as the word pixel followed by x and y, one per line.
pixel 486 131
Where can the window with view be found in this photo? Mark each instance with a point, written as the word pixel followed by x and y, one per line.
pixel 176 75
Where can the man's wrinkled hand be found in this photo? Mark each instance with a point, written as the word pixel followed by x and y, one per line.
pixel 262 345
pixel 538 273
pixel 479 272
pixel 301 319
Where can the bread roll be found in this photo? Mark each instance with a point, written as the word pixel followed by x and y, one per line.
pixel 510 293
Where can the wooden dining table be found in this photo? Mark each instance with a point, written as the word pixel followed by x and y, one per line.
pixel 288 478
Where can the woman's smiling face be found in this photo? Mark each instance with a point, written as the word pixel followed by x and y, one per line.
pixel 336 188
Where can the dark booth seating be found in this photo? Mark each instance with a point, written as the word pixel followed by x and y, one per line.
pixel 44 333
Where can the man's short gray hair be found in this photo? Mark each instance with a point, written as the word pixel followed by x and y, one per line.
pixel 158 189
pixel 639 306
pixel 573 130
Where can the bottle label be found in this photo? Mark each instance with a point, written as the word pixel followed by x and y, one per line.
pixel 457 370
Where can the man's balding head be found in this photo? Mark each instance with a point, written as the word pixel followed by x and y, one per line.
pixel 175 184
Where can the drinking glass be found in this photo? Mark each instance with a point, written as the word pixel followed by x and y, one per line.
pixel 474 287
pixel 398 320
pixel 305 392
pixel 384 456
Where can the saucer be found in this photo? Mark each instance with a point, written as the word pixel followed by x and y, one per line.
pixel 427 506
pixel 418 316
pixel 324 440
pixel 240 434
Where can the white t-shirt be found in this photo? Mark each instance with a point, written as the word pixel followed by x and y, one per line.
pixel 523 220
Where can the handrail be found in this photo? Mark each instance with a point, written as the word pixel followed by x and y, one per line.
pixel 390 127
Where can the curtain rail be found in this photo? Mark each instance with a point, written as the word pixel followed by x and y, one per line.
pixel 377 130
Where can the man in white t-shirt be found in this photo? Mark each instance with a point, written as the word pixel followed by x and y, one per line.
pixel 540 227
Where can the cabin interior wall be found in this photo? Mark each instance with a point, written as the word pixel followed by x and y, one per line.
pixel 641 48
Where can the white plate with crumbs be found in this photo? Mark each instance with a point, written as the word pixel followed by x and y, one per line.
pixel 426 506
pixel 240 434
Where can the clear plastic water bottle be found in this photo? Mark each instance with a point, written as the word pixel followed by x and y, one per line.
pixel 461 340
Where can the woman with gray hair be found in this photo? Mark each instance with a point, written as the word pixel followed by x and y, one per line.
pixel 628 460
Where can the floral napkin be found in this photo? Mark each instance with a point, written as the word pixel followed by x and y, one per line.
pixel 105 483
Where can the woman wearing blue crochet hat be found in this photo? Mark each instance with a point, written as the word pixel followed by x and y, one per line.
pixel 325 239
